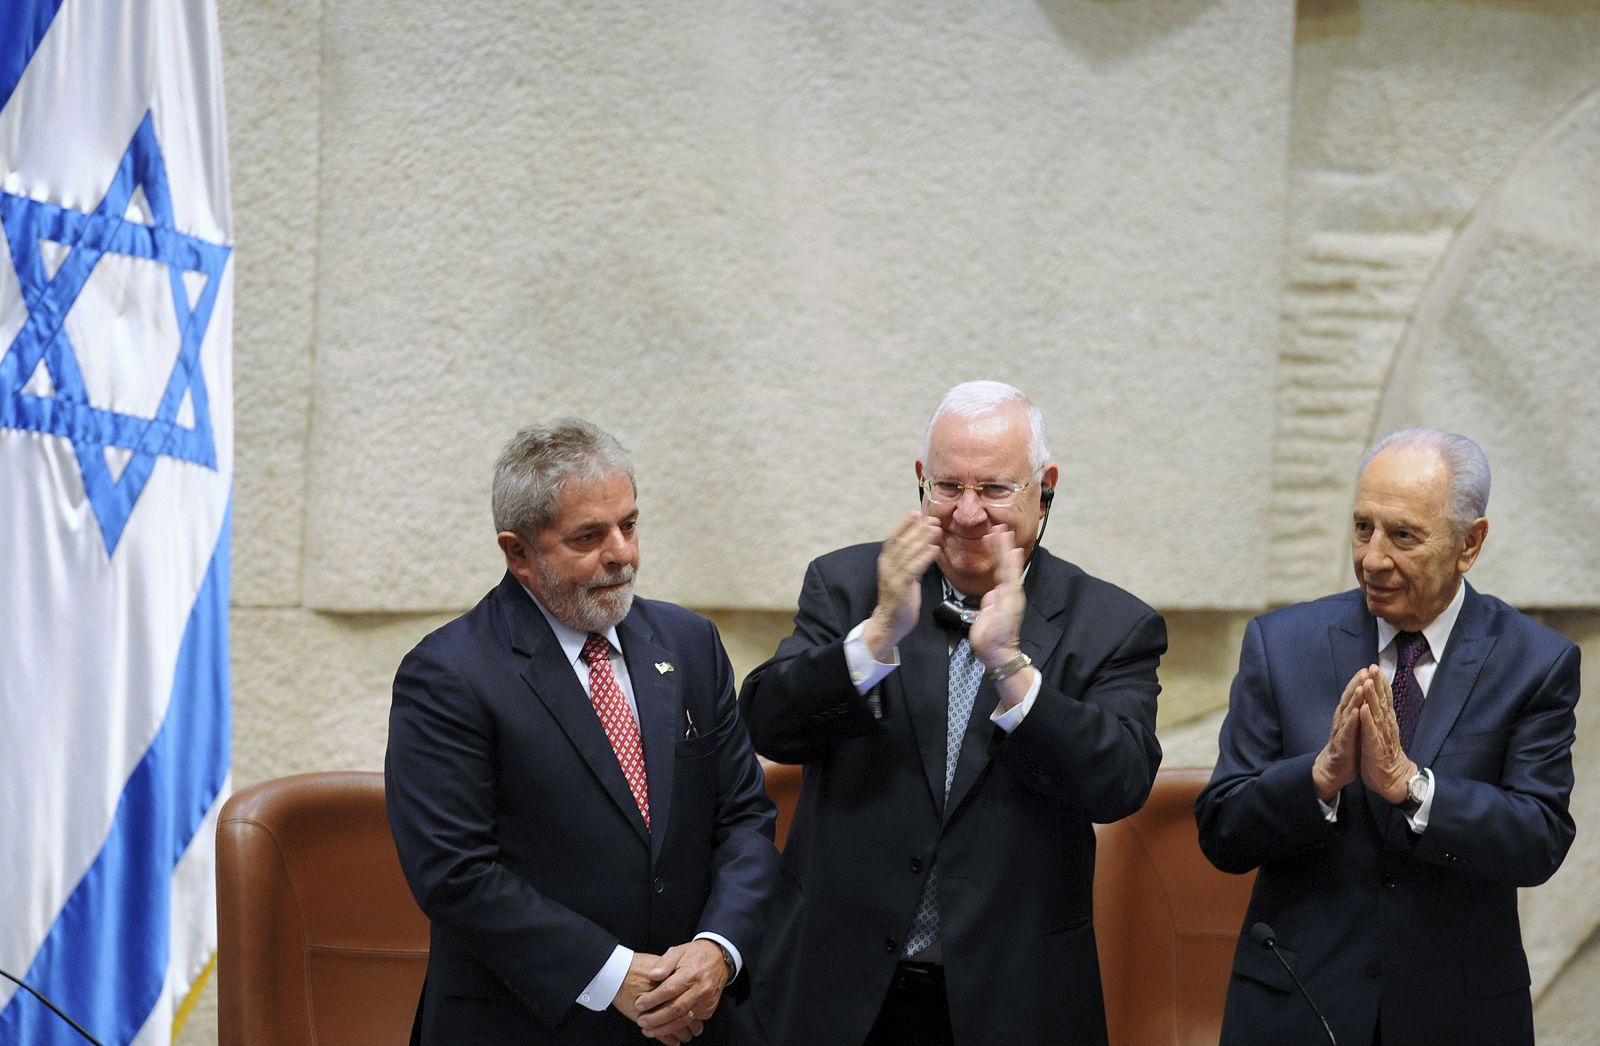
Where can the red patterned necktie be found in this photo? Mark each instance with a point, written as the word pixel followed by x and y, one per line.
pixel 1408 646
pixel 617 718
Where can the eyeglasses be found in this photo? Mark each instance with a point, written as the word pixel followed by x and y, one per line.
pixel 993 493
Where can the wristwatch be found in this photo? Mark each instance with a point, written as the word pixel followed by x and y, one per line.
pixel 1017 663
pixel 1416 792
pixel 727 957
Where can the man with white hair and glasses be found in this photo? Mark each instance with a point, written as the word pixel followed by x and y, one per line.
pixel 966 706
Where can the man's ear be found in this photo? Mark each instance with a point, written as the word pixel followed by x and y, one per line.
pixel 1471 545
pixel 519 555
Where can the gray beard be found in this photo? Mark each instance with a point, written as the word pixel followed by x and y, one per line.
pixel 577 606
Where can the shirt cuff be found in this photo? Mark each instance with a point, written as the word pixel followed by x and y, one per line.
pixel 1012 717
pixel 866 671
pixel 600 991
pixel 1330 811
pixel 727 946
pixel 1419 820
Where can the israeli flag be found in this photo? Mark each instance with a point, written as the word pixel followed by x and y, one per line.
pixel 116 473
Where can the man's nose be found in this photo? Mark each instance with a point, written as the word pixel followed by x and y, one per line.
pixel 618 547
pixel 970 511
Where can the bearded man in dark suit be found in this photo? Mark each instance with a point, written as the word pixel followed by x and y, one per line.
pixel 573 796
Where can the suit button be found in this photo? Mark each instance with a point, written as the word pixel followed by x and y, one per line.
pixel 1389 882
pixel 660 886
pixel 888 945
pixel 1373 969
pixel 916 864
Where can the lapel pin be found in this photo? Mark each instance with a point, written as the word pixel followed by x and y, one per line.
pixel 663 667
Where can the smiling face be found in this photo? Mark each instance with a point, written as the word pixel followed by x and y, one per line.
pixel 1409 559
pixel 992 447
pixel 582 566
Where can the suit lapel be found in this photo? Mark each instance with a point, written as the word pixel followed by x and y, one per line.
pixel 661 718
pixel 1353 644
pixel 553 680
pixel 1464 655
pixel 923 680
pixel 1039 637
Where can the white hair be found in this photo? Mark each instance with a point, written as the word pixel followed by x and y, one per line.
pixel 1464 460
pixel 973 399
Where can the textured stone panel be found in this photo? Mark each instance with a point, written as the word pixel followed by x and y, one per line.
pixel 1503 348
pixel 1405 115
pixel 271 60
pixel 759 241
pixel 311 690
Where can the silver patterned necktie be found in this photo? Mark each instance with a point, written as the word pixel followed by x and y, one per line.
pixel 966 672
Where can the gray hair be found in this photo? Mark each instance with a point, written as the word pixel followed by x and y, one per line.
pixel 537 463
pixel 1468 496
pixel 973 399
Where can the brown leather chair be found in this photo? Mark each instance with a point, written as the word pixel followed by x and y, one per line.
pixel 1166 921
pixel 318 938
pixel 783 788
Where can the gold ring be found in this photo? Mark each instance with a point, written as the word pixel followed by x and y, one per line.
pixel 691 1015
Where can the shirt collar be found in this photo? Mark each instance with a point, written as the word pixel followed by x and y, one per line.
pixel 571 639
pixel 1437 631
pixel 952 593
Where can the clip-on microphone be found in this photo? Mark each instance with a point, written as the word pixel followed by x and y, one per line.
pixel 955 614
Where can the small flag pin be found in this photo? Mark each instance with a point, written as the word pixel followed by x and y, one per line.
pixel 663 667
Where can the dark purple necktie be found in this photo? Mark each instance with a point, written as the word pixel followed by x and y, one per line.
pixel 1408 646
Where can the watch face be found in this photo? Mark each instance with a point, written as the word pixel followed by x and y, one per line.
pixel 1417 788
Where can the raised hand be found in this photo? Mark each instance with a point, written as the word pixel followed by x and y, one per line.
pixel 996 634
pixel 1339 762
pixel 1385 767
pixel 905 557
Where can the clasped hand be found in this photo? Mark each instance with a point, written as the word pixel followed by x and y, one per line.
pixel 671 996
pixel 1364 742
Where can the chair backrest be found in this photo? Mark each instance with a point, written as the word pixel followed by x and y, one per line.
pixel 318 938
pixel 1166 921
pixel 783 788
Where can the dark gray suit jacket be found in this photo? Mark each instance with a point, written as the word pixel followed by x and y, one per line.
pixel 1015 842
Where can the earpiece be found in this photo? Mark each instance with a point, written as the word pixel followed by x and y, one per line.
pixel 1046 495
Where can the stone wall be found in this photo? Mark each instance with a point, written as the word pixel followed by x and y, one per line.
pixel 1221 242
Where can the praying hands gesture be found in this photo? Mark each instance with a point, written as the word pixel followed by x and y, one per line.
pixel 1364 742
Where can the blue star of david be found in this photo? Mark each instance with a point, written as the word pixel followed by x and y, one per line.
pixel 64 409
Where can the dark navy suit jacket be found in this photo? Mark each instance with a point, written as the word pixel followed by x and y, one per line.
pixel 519 837
pixel 1380 923
pixel 1014 842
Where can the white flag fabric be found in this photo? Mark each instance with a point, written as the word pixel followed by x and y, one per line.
pixel 116 475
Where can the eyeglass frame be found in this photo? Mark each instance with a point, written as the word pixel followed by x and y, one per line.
pixel 925 485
